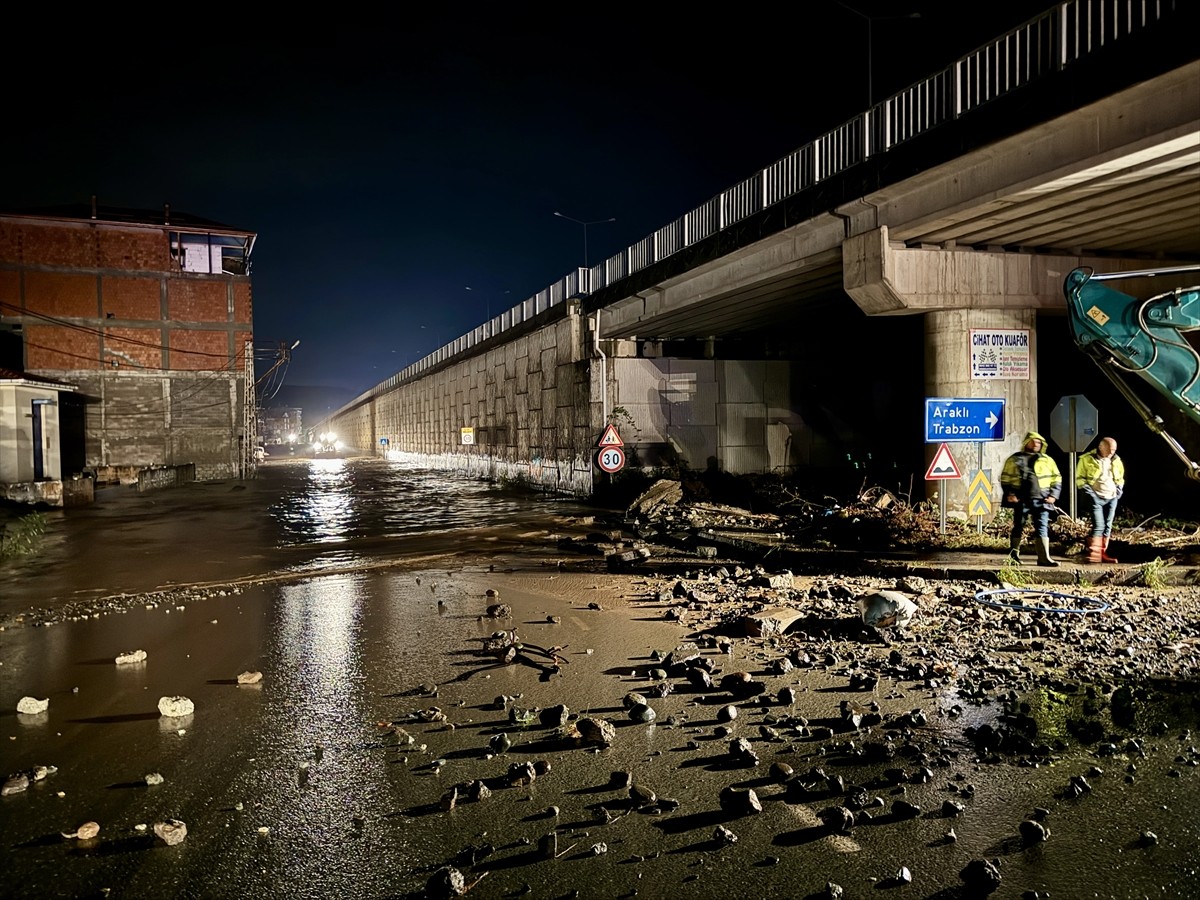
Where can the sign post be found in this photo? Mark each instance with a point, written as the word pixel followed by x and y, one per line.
pixel 611 458
pixel 975 420
pixel 943 467
pixel 1073 425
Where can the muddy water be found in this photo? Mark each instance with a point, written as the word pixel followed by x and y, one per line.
pixel 298 515
pixel 350 809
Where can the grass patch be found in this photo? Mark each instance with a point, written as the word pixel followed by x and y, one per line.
pixel 22 536
pixel 1151 574
pixel 1010 573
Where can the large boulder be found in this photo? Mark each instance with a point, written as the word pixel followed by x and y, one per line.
pixel 661 494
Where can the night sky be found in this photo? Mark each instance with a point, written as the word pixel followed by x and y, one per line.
pixel 388 164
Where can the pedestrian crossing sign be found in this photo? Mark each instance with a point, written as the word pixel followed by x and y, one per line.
pixel 943 465
pixel 610 438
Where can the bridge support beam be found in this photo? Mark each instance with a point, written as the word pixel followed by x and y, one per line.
pixel 959 290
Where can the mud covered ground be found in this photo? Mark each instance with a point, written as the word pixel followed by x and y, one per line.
pixel 423 729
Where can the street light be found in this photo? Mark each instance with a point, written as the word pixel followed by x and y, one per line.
pixel 488 302
pixel 870 42
pixel 585 228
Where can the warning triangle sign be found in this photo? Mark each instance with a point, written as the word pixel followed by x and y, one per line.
pixel 943 465
pixel 610 438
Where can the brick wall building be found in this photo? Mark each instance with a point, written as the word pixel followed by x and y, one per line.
pixel 148 314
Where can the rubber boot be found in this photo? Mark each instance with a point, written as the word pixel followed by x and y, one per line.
pixel 1043 552
pixel 1014 551
pixel 1093 554
pixel 1104 557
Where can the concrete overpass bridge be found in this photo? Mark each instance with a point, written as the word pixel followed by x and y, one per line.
pixel 796 321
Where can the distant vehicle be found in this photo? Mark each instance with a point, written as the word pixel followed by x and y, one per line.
pixel 327 446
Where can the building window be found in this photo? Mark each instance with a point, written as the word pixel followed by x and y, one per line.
pixel 210 253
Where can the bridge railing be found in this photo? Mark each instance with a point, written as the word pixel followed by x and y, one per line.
pixel 1047 43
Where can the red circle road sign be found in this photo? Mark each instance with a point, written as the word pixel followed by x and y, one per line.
pixel 611 459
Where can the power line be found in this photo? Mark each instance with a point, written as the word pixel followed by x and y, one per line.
pixel 108 335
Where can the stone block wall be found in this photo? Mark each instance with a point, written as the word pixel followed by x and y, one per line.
pixel 528 402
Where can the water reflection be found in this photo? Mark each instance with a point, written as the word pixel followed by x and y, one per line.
pixel 332 501
pixel 325 504
pixel 318 637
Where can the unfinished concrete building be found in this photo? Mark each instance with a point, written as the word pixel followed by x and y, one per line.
pixel 148 316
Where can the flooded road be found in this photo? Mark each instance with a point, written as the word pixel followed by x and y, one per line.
pixel 298 515
pixel 330 777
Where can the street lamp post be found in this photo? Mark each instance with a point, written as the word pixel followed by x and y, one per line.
pixel 488 303
pixel 870 43
pixel 585 228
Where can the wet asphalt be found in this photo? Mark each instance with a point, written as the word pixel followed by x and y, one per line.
pixel 330 776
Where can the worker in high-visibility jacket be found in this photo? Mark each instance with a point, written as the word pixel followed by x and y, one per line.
pixel 1031 483
pixel 1100 477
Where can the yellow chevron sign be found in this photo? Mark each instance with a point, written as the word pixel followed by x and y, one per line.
pixel 979 494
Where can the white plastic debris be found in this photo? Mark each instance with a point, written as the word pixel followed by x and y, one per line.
pixel 132 657
pixel 176 707
pixel 84 832
pixel 31 706
pixel 885 608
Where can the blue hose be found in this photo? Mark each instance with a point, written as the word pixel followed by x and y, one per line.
pixel 1094 605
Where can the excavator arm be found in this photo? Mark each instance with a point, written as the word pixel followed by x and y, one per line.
pixel 1127 336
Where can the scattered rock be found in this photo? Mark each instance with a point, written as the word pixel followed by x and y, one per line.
pixel 775 620
pixel 31 706
pixel 1032 832
pixel 445 883
pixel 596 731
pixel 170 831
pixel 153 778
pixel 661 494
pixel 740 801
pixel 980 876
pixel 642 712
pixel 554 716
pixel 176 707
pixel 131 657
pixel 724 836
pixel 249 678
pixel 500 744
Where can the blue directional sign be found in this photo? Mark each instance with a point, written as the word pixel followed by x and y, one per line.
pixel 949 419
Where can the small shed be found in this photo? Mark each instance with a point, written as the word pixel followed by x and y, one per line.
pixel 30 449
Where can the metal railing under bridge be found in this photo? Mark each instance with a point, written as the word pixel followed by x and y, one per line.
pixel 1046 44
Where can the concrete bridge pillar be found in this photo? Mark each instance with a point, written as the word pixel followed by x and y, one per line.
pixel 948 374
pixel 960 291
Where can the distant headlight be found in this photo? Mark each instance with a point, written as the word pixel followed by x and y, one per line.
pixel 337 445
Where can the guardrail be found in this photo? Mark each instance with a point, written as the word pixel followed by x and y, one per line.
pixel 1044 44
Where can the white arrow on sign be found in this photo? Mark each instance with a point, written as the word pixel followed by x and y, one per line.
pixel 992 419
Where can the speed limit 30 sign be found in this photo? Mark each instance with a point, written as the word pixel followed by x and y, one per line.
pixel 611 459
